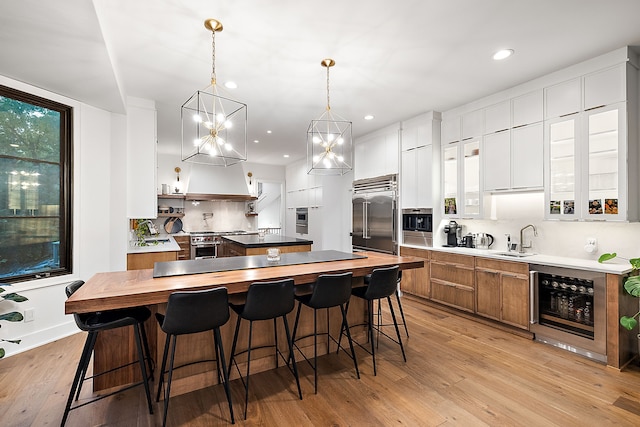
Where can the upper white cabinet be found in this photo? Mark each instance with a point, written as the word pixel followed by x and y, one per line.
pixel 605 87
pixel 527 109
pixel 472 124
pixel 377 153
pixel 451 130
pixel 461 179
pixel 141 154
pixel 497 164
pixel 527 157
pixel 562 99
pixel 497 117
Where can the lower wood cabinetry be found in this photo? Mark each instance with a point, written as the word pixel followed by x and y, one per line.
pixel 502 291
pixel 417 281
pixel 143 261
pixel 452 280
pixel 185 247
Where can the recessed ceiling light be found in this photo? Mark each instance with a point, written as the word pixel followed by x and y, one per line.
pixel 256 141
pixel 268 131
pixel 231 85
pixel 368 117
pixel 14 145
pixel 503 54
pixel 286 156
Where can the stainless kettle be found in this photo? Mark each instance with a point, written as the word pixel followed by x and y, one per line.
pixel 484 240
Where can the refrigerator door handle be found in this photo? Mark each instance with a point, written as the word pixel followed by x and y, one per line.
pixel 534 303
pixel 365 220
pixel 394 221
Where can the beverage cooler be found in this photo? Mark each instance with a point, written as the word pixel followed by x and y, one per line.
pixel 568 309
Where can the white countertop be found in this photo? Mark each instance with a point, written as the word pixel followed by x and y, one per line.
pixel 616 266
pixel 170 246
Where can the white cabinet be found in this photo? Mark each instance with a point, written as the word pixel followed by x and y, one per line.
pixel 562 99
pixel 461 187
pixel 141 159
pixel 561 167
pixel 605 87
pixel 471 190
pixel 450 179
pixel 415 187
pixel 377 153
pixel 497 117
pixel 472 124
pixel 527 157
pixel 451 130
pixel 527 108
pixel 497 166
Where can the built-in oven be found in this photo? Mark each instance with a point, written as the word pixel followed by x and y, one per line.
pixel 302 220
pixel 417 227
pixel 205 245
pixel 568 309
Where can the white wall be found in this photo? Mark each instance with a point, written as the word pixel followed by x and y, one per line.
pixel 99 244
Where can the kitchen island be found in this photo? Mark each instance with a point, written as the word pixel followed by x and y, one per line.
pixel 113 290
pixel 255 245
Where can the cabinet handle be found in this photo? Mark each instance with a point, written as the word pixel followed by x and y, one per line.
pixel 593 108
pixel 568 114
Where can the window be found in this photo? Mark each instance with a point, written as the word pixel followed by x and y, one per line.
pixel 35 186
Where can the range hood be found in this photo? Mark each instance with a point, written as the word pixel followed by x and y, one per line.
pixel 208 182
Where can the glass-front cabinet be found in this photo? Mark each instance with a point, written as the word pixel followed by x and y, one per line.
pixel 586 165
pixel 461 183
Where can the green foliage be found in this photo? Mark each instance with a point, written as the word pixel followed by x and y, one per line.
pixel 631 285
pixel 12 316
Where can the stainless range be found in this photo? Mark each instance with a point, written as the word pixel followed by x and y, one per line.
pixel 205 244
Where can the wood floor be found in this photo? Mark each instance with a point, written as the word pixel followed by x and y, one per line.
pixel 458 372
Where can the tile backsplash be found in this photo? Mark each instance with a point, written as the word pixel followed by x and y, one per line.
pixel 217 215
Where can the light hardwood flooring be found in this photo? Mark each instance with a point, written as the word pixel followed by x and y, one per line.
pixel 458 372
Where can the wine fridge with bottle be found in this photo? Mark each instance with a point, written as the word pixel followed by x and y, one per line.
pixel 568 309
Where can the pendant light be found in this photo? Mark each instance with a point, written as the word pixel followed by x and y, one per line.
pixel 329 141
pixel 214 127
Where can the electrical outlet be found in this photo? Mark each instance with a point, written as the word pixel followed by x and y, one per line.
pixel 592 241
pixel 29 314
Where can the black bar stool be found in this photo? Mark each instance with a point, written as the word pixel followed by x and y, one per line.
pixel 367 278
pixel 190 313
pixel 95 322
pixel 383 283
pixel 329 290
pixel 265 300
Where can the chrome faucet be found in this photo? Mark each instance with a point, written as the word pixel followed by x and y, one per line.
pixel 522 245
pixel 508 236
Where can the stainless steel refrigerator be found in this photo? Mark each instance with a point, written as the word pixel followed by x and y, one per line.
pixel 374 214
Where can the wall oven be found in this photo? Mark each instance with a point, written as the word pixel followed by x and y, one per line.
pixel 302 220
pixel 417 227
pixel 568 309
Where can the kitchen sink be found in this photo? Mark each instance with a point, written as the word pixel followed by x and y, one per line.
pixel 513 254
pixel 156 241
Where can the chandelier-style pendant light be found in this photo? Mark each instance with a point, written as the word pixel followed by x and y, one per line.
pixel 214 128
pixel 329 141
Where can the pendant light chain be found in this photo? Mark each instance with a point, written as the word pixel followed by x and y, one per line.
pixel 328 105
pixel 213 58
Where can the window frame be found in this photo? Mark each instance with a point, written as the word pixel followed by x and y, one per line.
pixel 65 213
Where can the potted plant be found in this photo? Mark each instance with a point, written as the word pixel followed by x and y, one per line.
pixel 12 316
pixel 631 285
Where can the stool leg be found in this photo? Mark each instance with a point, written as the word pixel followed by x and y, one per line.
pixel 292 357
pixel 82 364
pixel 370 330
pixel 145 343
pixel 290 343
pixel 217 356
pixel 246 390
pixel 94 337
pixel 315 350
pixel 218 343
pixel 233 348
pixel 275 335
pixel 346 310
pixel 167 393
pixel 395 323
pixel 165 353
pixel 143 368
pixel 404 322
pixel 346 327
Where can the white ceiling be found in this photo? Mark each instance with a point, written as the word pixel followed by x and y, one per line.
pixel 394 59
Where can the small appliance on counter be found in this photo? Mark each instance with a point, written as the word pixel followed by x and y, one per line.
pixel 469 241
pixel 484 240
pixel 453 232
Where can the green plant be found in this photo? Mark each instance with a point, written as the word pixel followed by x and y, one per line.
pixel 12 316
pixel 631 285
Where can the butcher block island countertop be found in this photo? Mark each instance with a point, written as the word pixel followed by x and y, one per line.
pixel 120 289
pixel 254 245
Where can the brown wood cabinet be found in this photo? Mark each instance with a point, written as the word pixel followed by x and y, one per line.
pixel 417 281
pixel 453 280
pixel 146 260
pixel 185 247
pixel 502 291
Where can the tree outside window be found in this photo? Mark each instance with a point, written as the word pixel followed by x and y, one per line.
pixel 35 186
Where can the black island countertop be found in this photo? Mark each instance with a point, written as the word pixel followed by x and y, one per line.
pixel 268 241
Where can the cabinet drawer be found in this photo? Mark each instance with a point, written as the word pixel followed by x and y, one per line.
pixel 503 266
pixel 461 297
pixel 452 274
pixel 446 257
pixel 421 253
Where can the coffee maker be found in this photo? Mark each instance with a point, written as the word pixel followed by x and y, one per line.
pixel 453 232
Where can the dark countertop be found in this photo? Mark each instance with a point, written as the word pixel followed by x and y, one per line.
pixel 269 240
pixel 199 266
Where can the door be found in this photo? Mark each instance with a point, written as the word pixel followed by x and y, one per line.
pixel 380 222
pixel 357 235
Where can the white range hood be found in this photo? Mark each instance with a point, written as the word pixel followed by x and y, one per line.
pixel 208 182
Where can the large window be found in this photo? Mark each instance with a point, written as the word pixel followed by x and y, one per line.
pixel 35 187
